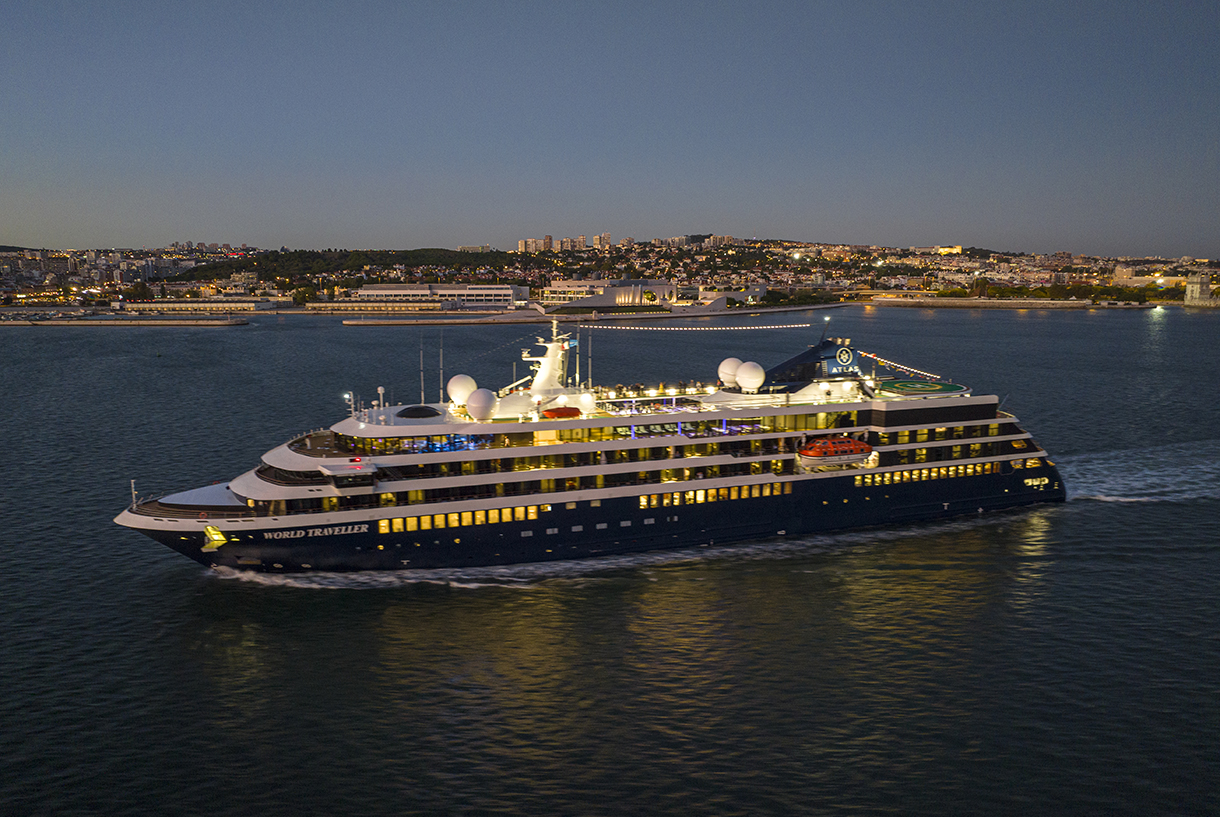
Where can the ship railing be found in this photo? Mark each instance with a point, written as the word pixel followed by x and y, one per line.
pixel 153 507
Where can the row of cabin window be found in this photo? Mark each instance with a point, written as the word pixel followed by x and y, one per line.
pixel 947 472
pixel 373 446
pixel 525 488
pixel 504 465
pixel 523 513
pixel 952 452
pixel 715 494
pixel 924 435
pixel 438 521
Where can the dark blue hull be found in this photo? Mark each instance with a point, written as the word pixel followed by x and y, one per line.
pixel 621 525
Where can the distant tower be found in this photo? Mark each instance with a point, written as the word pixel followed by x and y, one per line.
pixel 547 243
pixel 1199 290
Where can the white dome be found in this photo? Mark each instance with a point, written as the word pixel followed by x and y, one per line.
pixel 728 371
pixel 750 376
pixel 586 402
pixel 481 403
pixel 459 387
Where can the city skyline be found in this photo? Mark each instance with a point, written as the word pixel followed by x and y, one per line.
pixel 1085 127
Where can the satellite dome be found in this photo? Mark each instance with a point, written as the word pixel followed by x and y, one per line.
pixel 459 387
pixel 728 371
pixel 750 376
pixel 481 403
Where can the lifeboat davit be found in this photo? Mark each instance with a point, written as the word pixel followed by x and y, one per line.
pixel 834 451
pixel 561 413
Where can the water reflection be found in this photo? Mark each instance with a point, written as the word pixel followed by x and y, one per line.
pixel 683 667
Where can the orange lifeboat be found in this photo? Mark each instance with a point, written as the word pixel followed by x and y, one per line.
pixel 561 413
pixel 834 451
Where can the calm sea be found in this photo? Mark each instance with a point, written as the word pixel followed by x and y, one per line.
pixel 1062 660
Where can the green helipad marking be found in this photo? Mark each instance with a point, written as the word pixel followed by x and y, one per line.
pixel 922 387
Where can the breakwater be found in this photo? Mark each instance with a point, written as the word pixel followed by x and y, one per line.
pixel 990 303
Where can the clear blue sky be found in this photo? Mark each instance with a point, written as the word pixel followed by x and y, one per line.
pixel 1085 126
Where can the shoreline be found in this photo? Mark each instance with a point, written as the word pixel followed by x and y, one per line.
pixel 192 322
pixel 990 303
pixel 511 318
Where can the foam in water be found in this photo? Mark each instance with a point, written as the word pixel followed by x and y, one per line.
pixel 1168 473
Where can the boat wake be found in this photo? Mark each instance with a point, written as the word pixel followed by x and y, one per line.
pixel 1171 473
pixel 537 575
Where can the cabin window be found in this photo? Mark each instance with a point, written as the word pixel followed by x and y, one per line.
pixel 383 526
pixel 467 518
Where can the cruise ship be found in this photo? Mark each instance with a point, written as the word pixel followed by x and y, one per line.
pixel 549 468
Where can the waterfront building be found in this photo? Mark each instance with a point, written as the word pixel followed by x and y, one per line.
pixel 203 305
pixel 398 297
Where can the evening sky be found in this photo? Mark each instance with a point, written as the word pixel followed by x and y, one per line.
pixel 1086 126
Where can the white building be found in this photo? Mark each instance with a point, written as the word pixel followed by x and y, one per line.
pixel 503 296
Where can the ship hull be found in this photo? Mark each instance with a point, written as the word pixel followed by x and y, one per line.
pixel 352 542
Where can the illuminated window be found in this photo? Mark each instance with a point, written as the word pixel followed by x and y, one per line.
pixel 734 493
pixel 644 501
pixel 755 491
pixel 531 512
pixel 396 525
pixel 383 526
pixel 519 513
pixel 690 498
pixel 438 521
pixel 493 516
pixel 412 524
pixel 467 518
pixel 480 517
pixel 700 497
pixel 1033 463
pixel 859 481
pixel 425 523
